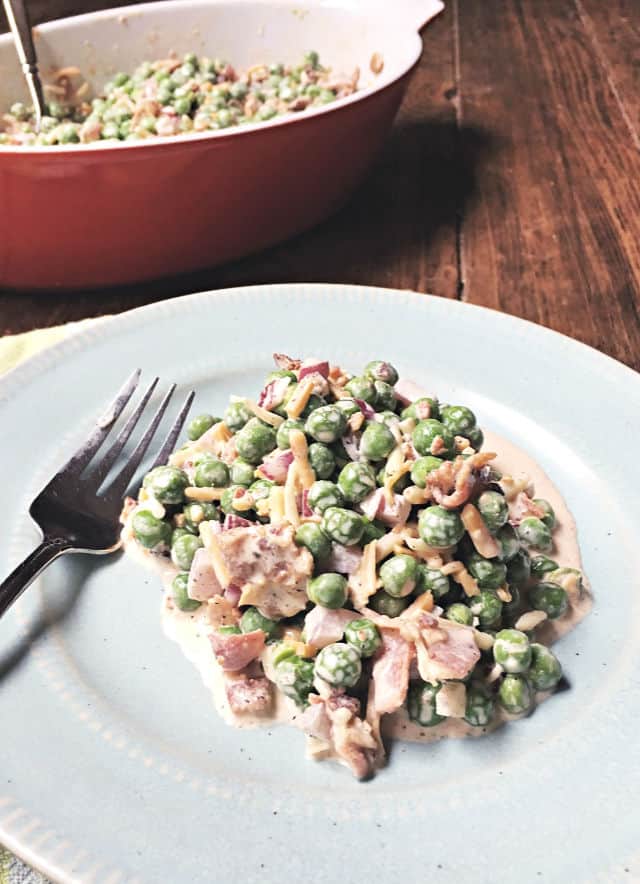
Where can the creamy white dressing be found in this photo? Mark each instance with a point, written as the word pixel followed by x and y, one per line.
pixel 190 630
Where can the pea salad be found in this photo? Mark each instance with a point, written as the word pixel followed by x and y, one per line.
pixel 352 555
pixel 173 96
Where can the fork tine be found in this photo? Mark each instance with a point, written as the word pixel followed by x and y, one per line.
pixel 99 473
pixel 78 461
pixel 169 443
pixel 123 478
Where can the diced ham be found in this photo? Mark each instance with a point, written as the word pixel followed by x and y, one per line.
pixel 314 721
pixel 248 695
pixel 344 559
pixel 235 651
pixel 452 658
pixel 390 672
pixel 323 626
pixel 275 466
pixel 202 583
pixel 352 738
pixel 221 612
pixel 286 362
pixel 366 409
pixel 231 521
pixel 269 567
pixel 408 391
pixel 273 394
pixel 376 506
pixel 314 366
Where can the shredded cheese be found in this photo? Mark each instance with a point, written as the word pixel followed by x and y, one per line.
pixel 291 513
pixel 385 544
pixel 415 495
pixel 451 700
pixel 298 402
pixel 504 595
pixel 204 495
pixel 215 554
pixel 420 548
pixel 480 535
pixel 460 574
pixel 392 478
pixel 267 417
pixel 363 582
pixel 512 487
pixel 527 622
pixel 298 444
pixel 276 505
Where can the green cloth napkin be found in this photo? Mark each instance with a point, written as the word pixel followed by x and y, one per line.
pixel 14 349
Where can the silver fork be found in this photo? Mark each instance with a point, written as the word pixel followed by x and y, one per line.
pixel 74 512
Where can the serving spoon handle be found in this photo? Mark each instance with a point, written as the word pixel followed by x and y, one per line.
pixel 20 25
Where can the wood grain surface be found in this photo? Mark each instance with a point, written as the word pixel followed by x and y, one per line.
pixel 510 180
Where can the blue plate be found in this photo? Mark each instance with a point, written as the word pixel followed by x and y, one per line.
pixel 114 765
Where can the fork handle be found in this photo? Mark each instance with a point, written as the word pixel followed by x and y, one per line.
pixel 27 571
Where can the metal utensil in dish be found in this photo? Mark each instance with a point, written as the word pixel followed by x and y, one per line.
pixel 18 16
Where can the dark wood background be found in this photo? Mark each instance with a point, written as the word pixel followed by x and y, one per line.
pixel 512 180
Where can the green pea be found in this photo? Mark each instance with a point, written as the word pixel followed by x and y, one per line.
pixel 458 419
pixel 279 372
pixel 372 531
pixel 511 649
pixel 418 408
pixel 282 651
pixel 180 595
pixel 313 404
pixel 479 706
pixel 534 533
pixel 388 418
pixel 545 671
pixel 348 406
pixel 323 495
pixel 197 512
pixel 519 569
pixel 356 481
pixel 255 440
pixel 508 542
pixel 550 598
pixel 459 613
pixel 229 630
pixel 166 484
pixel 440 528
pixel 328 590
pixel 200 425
pixel 342 525
pixel 364 636
pixel 362 388
pixel 211 473
pixel 541 565
pixel 179 532
pixel 549 517
pixel 511 610
pixel 242 472
pixel 326 424
pixel 425 435
pixel 490 573
pixel 184 549
pixel 150 531
pixel 476 438
pixel 487 607
pixel 567 578
pixel 399 575
pixel 322 460
pixel 514 694
pixel 227 500
pixel 377 441
pixel 421 704
pixel 339 665
pixel 433 581
pixel 282 435
pixel 383 603
pixel 252 619
pixel 311 536
pixel 398 486
pixel 294 677
pixel 236 416
pixel 493 509
pixel 422 467
pixel 385 396
pixel 378 370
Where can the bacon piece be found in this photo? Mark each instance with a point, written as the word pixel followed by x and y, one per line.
pixel 235 651
pixel 314 721
pixel 232 593
pixel 286 362
pixel 522 507
pixel 352 738
pixel 366 409
pixel 453 657
pixel 202 583
pixel 323 626
pixel 314 366
pixel 231 521
pixel 390 672
pixel 248 695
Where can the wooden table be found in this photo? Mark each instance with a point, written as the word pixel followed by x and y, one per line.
pixel 512 180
